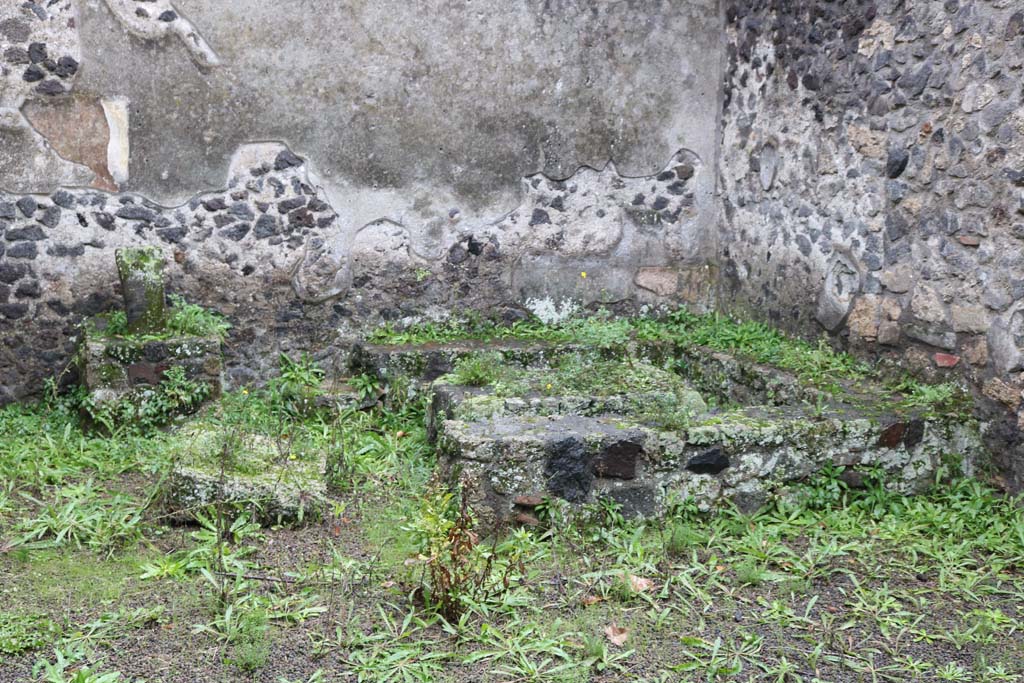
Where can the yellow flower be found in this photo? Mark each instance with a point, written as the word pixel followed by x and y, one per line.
pixel 549 386
pixel 292 457
pixel 245 392
pixel 583 275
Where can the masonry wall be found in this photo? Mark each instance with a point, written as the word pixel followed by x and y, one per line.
pixel 872 180
pixel 312 168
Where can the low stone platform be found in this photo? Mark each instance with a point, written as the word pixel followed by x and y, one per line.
pixel 134 364
pixel 114 367
pixel 647 439
pixel 510 463
pixel 427 362
pixel 221 465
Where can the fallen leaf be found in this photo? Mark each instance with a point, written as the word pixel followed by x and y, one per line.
pixel 591 600
pixel 387 584
pixel 616 634
pixel 640 585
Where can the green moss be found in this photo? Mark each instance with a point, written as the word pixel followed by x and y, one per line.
pixel 109 373
pixel 145 408
pixel 71 580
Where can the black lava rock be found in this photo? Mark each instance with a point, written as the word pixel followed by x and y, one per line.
pixel 37 53
pixel 66 67
pixel 33 74
pixel 172 235
pixel 66 250
pixel 11 272
pixel 104 220
pixel 31 233
pixel 134 212
pixel 301 218
pixel 16 55
pixel 286 159
pixel 243 211
pixel 29 289
pixel 457 254
pixel 568 470
pixel 215 204
pixel 51 216
pixel 28 206
pixel 540 217
pixel 289 205
pixel 50 88
pixel 896 163
pixel 25 250
pixel 266 226
pixel 236 232
pixel 13 311
pixel 63 199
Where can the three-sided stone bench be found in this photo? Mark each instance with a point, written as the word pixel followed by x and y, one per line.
pixel 766 429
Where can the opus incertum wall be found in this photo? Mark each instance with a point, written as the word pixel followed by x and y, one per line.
pixel 872 175
pixel 310 167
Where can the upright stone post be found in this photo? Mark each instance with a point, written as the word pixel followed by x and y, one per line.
pixel 142 284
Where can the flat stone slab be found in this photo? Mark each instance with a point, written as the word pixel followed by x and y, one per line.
pixel 221 465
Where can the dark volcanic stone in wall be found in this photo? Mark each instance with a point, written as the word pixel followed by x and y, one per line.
pixel 891 217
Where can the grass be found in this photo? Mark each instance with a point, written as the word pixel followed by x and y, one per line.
pixel 815 364
pixel 393 584
pixel 712 330
pixel 183 319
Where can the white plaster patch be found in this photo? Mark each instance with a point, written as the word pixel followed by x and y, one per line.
pixel 119 147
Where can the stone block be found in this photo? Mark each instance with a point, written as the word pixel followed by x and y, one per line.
pixel 221 465
pixel 142 285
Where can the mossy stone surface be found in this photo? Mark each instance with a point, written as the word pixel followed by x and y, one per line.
pixel 142 284
pixel 216 464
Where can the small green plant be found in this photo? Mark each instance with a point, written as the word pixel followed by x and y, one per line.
pixel 81 516
pixel 457 570
pixel 65 668
pixel 145 409
pixel 366 385
pixel 24 632
pixel 183 319
pixel 478 369
pixel 295 390
pixel 188 319
pixel 681 538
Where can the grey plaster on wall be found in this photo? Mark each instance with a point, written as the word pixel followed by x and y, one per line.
pixel 396 101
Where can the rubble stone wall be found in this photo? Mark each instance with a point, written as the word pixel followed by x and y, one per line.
pixel 872 180
pixel 310 169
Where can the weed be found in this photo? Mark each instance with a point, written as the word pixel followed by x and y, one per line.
pixel 294 391
pixel 477 370
pixel 145 409
pixel 183 319
pixel 23 632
